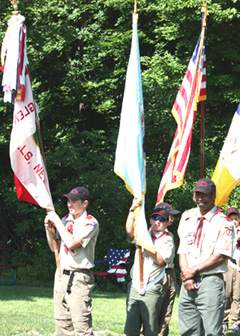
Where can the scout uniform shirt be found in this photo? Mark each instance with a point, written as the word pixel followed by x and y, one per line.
pixel 216 236
pixel 234 262
pixel 86 228
pixel 164 244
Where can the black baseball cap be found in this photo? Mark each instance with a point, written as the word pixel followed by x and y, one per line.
pixel 205 186
pixel 164 209
pixel 78 193
pixel 232 211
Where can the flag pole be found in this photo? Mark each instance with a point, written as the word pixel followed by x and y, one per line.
pixel 55 246
pixel 202 118
pixel 139 247
pixel 135 7
pixel 202 142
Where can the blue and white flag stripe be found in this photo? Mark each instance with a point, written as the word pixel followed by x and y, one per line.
pixel 130 156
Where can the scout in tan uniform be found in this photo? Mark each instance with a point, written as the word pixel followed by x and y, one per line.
pixel 78 233
pixel 144 308
pixel 232 278
pixel 206 243
pixel 169 284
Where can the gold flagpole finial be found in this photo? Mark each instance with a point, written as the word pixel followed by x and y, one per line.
pixel 15 6
pixel 135 7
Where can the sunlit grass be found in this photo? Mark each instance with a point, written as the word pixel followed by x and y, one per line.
pixel 28 310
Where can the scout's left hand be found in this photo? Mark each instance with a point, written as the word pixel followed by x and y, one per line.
pixel 187 273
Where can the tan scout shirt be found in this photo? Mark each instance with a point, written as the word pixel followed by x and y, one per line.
pixel 86 228
pixel 236 251
pixel 164 244
pixel 217 237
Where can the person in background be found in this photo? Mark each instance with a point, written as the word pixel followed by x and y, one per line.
pixel 169 283
pixel 232 278
pixel 143 308
pixel 77 235
pixel 206 243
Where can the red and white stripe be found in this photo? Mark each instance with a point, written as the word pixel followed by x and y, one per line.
pixel 192 90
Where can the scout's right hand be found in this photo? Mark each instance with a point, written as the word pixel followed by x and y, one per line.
pixel 51 219
pixel 190 284
pixel 136 203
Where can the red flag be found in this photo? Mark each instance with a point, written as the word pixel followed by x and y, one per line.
pixel 192 90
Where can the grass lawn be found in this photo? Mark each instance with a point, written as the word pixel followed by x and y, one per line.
pixel 28 311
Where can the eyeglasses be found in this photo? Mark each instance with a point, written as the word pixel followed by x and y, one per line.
pixel 161 219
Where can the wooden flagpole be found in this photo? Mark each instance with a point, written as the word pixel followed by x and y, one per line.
pixel 139 247
pixel 202 122
pixel 202 142
pixel 55 245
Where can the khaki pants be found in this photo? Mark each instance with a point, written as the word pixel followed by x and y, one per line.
pixel 72 311
pixel 232 305
pixel 169 293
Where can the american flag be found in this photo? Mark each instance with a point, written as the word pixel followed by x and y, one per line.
pixel 192 90
pixel 117 261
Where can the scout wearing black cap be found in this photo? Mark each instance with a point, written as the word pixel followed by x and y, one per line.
pixel 205 186
pixel 232 211
pixel 78 193
pixel 164 209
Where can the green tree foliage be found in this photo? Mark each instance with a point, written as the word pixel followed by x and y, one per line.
pixel 78 53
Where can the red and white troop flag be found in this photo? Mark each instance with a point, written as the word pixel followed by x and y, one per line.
pixel 27 161
pixel 192 90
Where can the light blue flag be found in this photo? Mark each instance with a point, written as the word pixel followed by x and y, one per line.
pixel 130 162
pixel 130 155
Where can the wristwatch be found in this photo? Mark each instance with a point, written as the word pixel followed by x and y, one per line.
pixel 196 269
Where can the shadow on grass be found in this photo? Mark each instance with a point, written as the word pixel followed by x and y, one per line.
pixel 25 292
pixel 30 292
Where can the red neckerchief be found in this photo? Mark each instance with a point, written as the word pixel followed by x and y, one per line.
pixel 162 234
pixel 70 230
pixel 200 227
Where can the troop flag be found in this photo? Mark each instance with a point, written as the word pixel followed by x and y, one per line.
pixel 26 158
pixel 130 155
pixel 192 90
pixel 227 172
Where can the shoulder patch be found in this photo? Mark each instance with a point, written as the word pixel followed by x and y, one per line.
pixel 90 221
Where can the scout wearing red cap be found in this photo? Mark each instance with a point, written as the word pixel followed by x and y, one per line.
pixel 205 186
pixel 164 209
pixel 78 193
pixel 232 211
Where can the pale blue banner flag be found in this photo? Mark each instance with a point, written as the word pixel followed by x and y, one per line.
pixel 130 162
